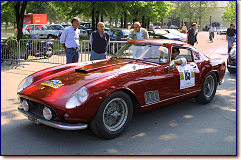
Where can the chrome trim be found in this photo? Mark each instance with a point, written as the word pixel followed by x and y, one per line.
pixel 169 98
pixel 54 124
pixel 221 82
pixel 231 66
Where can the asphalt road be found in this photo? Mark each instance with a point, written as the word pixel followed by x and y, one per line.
pixel 185 128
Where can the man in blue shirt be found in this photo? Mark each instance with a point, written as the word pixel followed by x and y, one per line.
pixel 70 41
pixel 99 40
pixel 211 32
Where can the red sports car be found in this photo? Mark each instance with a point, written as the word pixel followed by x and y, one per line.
pixel 104 94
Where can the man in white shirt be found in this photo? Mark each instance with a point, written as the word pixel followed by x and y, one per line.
pixel 70 41
pixel 211 32
pixel 138 32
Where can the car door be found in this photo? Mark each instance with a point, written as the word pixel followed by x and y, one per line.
pixel 188 74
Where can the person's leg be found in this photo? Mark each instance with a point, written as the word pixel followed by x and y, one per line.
pixel 93 55
pixel 69 56
pixel 75 57
pixel 102 56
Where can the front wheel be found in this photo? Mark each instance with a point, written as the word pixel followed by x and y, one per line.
pixel 208 89
pixel 113 115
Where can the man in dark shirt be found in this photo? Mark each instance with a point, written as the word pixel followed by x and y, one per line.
pixel 230 35
pixel 99 40
pixel 191 34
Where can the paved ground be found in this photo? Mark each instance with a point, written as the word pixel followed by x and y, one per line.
pixel 186 128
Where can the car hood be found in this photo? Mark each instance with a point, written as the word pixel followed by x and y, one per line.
pixel 61 82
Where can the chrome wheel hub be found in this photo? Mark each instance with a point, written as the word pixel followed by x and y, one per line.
pixel 115 114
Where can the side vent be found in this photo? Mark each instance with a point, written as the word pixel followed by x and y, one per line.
pixel 151 96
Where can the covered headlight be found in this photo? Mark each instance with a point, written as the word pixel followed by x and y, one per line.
pixel 233 53
pixel 25 83
pixel 78 98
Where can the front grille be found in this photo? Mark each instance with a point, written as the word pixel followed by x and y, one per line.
pixel 36 109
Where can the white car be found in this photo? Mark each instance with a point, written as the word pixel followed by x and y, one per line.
pixel 176 32
pixel 41 31
pixel 221 30
pixel 83 33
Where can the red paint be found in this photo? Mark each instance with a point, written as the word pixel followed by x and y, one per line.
pixel 106 76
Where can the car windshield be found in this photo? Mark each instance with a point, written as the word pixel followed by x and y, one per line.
pixel 58 27
pixel 160 31
pixel 146 52
pixel 126 32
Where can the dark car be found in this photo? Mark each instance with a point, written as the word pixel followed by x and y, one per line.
pixel 104 94
pixel 118 34
pixel 231 61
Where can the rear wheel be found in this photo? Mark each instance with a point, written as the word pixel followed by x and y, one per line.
pixel 208 89
pixel 113 115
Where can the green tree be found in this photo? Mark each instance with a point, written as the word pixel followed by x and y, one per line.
pixel 229 15
pixel 7 13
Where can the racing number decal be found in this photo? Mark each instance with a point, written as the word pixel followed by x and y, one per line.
pixel 187 76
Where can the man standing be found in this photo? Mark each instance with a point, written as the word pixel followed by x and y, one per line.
pixel 138 32
pixel 70 41
pixel 99 40
pixel 230 35
pixel 211 32
pixel 191 34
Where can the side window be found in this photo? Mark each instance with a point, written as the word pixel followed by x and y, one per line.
pixel 38 27
pixel 30 27
pixel 187 53
pixel 116 33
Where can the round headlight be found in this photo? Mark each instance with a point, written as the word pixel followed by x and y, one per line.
pixel 25 83
pixel 78 98
pixel 233 53
pixel 25 106
pixel 47 113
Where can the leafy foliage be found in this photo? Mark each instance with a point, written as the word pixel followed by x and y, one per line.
pixel 229 14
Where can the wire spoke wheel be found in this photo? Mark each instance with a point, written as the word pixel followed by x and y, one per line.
pixel 115 114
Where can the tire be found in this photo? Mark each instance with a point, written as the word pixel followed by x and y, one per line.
pixel 231 70
pixel 49 52
pixel 50 37
pixel 9 58
pixel 208 90
pixel 113 116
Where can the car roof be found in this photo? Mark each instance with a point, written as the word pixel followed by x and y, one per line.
pixel 160 42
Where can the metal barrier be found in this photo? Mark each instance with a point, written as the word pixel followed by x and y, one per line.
pixel 51 51
pixel 9 51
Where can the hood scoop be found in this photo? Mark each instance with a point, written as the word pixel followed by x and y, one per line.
pixel 90 68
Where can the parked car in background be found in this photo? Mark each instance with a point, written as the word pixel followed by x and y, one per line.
pixel 83 33
pixel 57 26
pixel 162 34
pixel 104 94
pixel 221 30
pixel 173 27
pixel 66 25
pixel 232 58
pixel 178 33
pixel 118 34
pixel 41 31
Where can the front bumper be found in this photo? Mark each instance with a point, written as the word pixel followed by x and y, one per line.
pixel 54 124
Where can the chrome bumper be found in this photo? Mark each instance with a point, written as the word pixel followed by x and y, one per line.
pixel 230 66
pixel 54 124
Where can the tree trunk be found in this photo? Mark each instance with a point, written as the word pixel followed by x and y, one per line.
pixel 6 26
pixel 93 17
pixel 97 18
pixel 143 22
pixel 121 22
pixel 125 20
pixel 102 18
pixel 19 17
pixel 148 24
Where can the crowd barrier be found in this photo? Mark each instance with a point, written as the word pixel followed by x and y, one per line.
pixel 48 50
